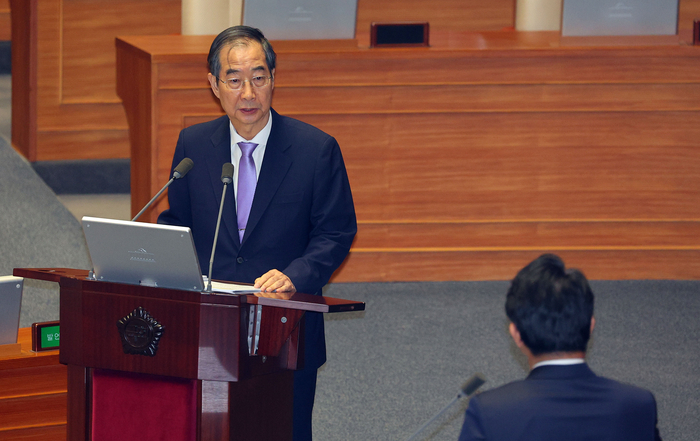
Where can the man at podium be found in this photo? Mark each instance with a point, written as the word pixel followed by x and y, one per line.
pixel 289 220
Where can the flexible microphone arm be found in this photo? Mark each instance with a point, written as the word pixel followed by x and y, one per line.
pixel 226 178
pixel 468 388
pixel 180 171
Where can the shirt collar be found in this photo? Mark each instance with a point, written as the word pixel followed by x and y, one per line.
pixel 559 362
pixel 260 139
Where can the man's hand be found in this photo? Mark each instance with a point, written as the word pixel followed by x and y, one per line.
pixel 274 281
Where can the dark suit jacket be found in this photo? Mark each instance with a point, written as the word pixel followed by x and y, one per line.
pixel 302 221
pixel 562 403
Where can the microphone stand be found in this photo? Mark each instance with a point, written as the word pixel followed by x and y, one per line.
pixel 226 178
pixel 468 388
pixel 180 171
pixel 153 199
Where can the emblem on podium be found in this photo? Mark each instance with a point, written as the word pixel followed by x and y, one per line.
pixel 140 333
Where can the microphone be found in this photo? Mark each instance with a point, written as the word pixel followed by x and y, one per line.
pixel 180 171
pixel 226 178
pixel 468 388
pixel 471 385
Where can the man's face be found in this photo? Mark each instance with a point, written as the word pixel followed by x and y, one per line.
pixel 248 108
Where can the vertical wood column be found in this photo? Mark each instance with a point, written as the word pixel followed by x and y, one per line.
pixel 538 15
pixel 209 17
pixel 24 77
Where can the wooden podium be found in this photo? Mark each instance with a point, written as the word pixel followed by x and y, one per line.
pixel 169 364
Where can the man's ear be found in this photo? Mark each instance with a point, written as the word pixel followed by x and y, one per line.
pixel 516 335
pixel 214 84
pixel 592 324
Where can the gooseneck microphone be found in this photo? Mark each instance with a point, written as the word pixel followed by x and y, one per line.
pixel 180 171
pixel 469 387
pixel 226 178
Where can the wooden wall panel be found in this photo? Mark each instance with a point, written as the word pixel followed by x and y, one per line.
pixel 450 15
pixel 439 265
pixel 485 235
pixel 459 16
pixel 76 113
pixel 89 28
pixel 520 166
pixel 469 170
pixel 443 15
pixel 588 151
pixel 689 11
pixel 477 15
pixel 24 67
pixel 5 21
pixel 491 98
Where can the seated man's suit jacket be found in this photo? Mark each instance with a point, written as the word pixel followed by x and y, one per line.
pixel 562 403
pixel 302 221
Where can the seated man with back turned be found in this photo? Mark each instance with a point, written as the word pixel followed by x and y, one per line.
pixel 551 313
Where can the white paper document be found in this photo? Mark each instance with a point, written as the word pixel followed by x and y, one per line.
pixel 231 288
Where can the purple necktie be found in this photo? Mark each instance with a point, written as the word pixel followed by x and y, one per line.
pixel 246 185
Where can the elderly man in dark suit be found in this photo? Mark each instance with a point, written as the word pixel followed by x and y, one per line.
pixel 289 219
pixel 551 313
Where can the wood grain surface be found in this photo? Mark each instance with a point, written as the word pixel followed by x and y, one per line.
pixel 491 141
pixel 32 394
pixel 470 158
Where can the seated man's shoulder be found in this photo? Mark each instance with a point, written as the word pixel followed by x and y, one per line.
pixel 522 393
pixel 514 393
pixel 627 392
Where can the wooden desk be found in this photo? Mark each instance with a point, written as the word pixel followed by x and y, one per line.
pixel 470 158
pixel 32 394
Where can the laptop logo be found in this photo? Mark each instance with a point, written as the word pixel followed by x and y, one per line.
pixel 141 255
pixel 300 14
pixel 620 10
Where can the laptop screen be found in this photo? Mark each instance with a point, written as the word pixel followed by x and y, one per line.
pixel 140 253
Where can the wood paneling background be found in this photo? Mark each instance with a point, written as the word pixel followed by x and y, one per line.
pixel 67 107
pixel 470 159
pixel 5 21
pixel 66 59
pixel 466 159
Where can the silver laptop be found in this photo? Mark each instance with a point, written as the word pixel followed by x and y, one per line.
pixel 140 253
pixel 10 303
pixel 302 19
pixel 619 17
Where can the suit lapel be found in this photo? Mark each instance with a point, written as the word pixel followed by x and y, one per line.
pixel 274 168
pixel 221 144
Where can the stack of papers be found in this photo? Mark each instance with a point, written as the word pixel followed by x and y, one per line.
pixel 230 288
